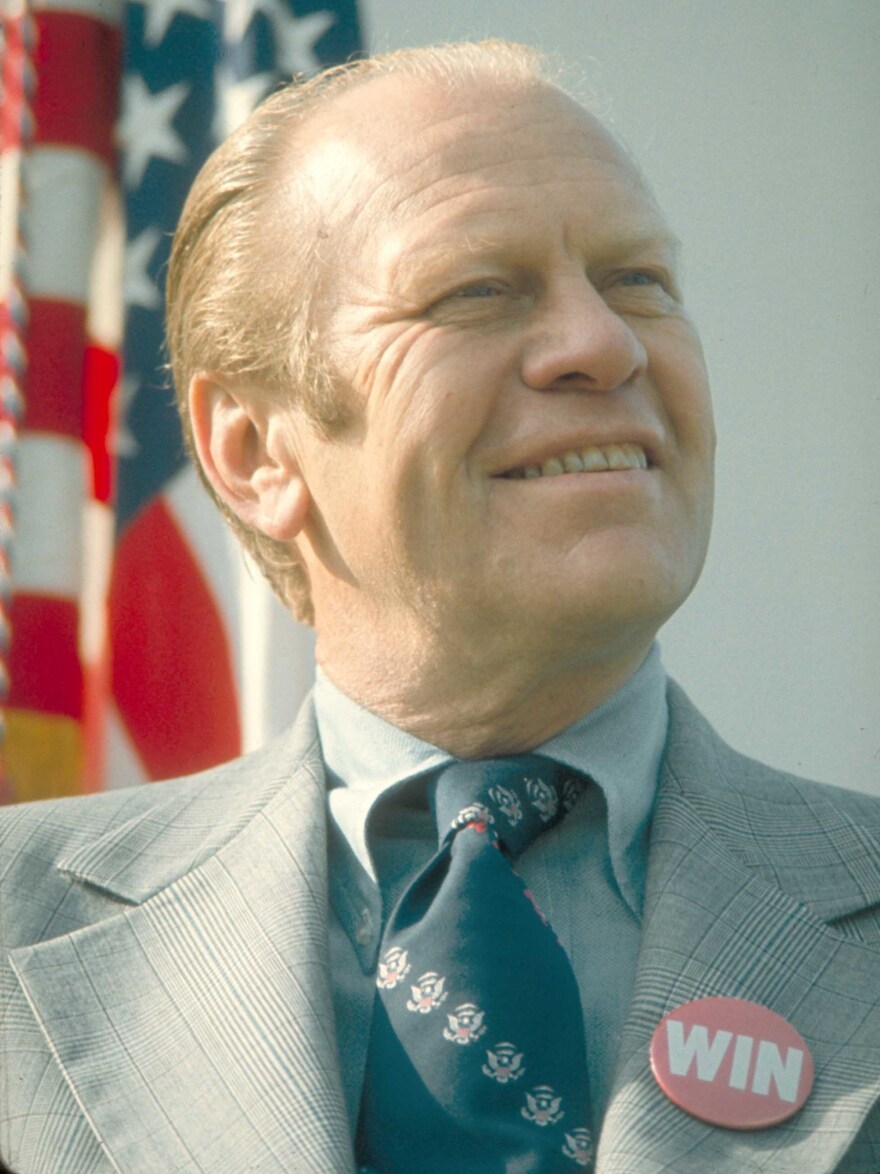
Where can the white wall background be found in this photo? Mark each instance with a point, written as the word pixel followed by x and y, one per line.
pixel 757 122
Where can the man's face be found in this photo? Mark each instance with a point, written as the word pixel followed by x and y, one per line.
pixel 500 297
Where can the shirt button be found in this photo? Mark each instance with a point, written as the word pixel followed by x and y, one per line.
pixel 364 930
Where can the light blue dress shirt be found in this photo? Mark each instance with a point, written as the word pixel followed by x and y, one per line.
pixel 587 873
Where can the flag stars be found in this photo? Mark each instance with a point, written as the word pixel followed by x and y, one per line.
pixel 236 99
pixel 145 130
pixel 139 288
pixel 122 442
pixel 296 38
pixel 238 14
pixel 158 15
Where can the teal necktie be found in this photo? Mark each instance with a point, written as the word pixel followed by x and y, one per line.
pixel 477 1057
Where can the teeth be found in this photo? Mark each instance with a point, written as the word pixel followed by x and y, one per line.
pixel 635 453
pixel 594 460
pixel 616 457
pixel 589 460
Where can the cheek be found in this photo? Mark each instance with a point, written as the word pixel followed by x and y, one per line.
pixel 428 405
pixel 384 361
pixel 678 371
pixel 678 374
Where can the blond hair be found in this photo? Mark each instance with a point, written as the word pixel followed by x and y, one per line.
pixel 242 272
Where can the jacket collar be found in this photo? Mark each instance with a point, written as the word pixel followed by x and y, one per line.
pixel 171 829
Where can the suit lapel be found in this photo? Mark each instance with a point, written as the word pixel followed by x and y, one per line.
pixel 717 923
pixel 196 1029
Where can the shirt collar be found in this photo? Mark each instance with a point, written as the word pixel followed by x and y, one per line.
pixel 619 745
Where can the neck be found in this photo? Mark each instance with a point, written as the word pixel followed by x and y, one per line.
pixel 477 706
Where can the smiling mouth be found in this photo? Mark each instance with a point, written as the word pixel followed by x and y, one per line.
pixel 593 459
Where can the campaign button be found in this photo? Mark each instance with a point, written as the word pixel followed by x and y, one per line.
pixel 732 1063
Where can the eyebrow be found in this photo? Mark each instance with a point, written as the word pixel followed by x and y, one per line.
pixel 665 237
pixel 641 241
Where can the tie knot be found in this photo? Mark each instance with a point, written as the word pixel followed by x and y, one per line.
pixel 517 797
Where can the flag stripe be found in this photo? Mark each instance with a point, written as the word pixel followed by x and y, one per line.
pixel 46 632
pixel 100 377
pixel 72 56
pixel 49 510
pixel 178 720
pixel 56 349
pixel 215 548
pixel 61 224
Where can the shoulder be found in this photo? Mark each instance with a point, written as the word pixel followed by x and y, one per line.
pixel 697 756
pixel 123 843
pixel 64 824
pixel 817 842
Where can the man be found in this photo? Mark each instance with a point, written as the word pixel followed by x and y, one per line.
pixel 426 321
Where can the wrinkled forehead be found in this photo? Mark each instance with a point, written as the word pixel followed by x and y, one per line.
pixel 390 144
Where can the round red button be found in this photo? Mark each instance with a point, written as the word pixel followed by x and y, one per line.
pixel 732 1063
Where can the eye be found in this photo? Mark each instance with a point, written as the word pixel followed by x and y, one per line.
pixel 480 289
pixel 482 302
pixel 640 277
pixel 643 290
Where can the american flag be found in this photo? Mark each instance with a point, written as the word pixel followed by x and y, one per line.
pixel 133 655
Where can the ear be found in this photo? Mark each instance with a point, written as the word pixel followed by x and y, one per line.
pixel 244 447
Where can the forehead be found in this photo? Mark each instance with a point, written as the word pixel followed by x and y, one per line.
pixel 398 163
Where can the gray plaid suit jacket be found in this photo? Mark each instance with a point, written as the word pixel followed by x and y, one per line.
pixel 166 1002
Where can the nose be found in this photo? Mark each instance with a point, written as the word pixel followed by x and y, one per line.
pixel 578 342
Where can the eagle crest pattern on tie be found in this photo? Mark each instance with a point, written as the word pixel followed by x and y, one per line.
pixel 477 1055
